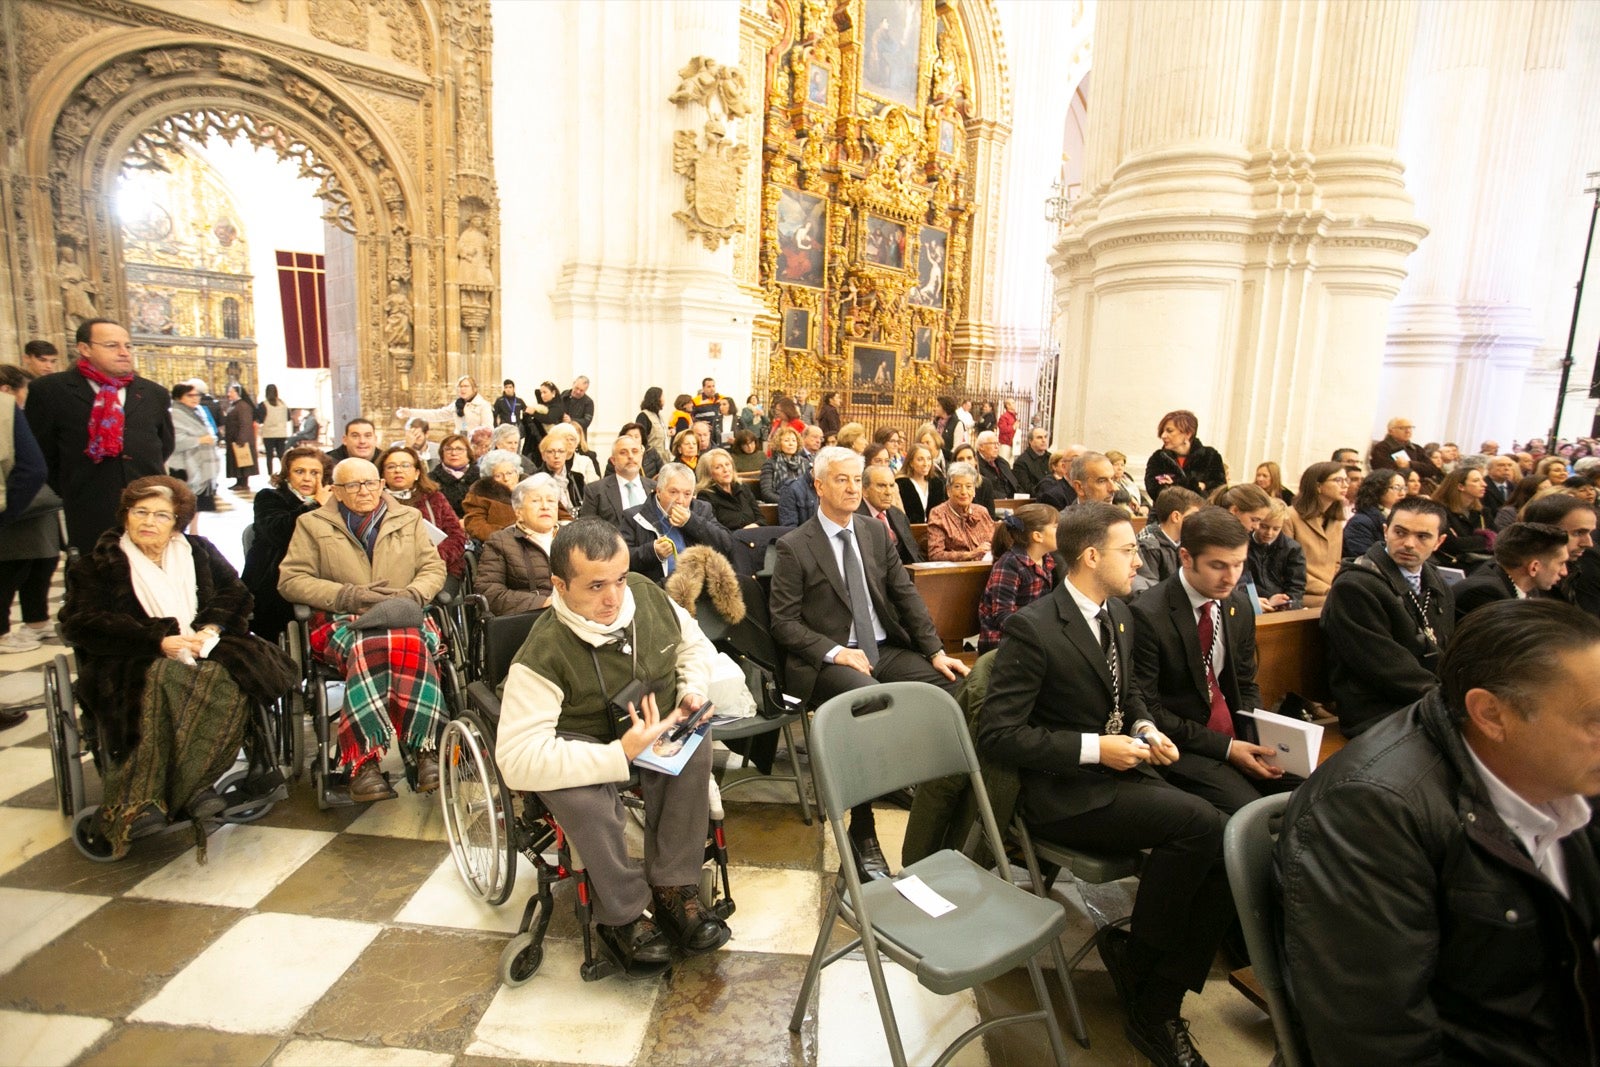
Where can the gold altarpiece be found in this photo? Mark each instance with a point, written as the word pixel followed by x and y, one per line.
pixel 384 103
pixel 872 201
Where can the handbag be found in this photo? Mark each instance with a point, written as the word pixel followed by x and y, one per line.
pixel 242 456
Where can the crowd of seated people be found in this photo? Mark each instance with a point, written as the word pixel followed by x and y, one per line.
pixel 1076 601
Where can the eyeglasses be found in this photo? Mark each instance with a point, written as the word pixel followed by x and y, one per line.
pixel 368 486
pixel 144 514
pixel 113 346
pixel 400 466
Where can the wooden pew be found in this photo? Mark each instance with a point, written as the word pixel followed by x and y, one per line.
pixel 919 530
pixel 1289 655
pixel 769 513
pixel 951 591
pixel 753 477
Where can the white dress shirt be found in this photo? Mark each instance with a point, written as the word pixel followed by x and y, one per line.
pixel 1540 828
pixel 832 530
pixel 1089 744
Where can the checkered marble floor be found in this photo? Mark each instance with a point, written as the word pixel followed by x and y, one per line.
pixel 346 937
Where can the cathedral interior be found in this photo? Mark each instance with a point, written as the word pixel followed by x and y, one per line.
pixel 1296 218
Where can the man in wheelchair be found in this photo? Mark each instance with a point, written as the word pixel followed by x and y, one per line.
pixel 364 561
pixel 573 719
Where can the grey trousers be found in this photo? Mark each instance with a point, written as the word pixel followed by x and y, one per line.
pixel 677 811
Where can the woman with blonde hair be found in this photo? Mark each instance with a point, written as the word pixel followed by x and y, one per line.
pixel 785 464
pixel 854 436
pixel 1317 522
pixel 1269 479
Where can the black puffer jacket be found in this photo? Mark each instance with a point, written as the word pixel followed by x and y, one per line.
pixel 1416 930
pixel 1379 658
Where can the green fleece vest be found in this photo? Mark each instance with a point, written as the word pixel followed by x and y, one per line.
pixel 556 653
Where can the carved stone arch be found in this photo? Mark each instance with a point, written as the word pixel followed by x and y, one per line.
pixel 153 85
pixel 991 74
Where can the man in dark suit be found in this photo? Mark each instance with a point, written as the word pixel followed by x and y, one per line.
pixel 625 487
pixel 1064 708
pixel 847 615
pixel 1529 559
pixel 992 465
pixel 1578 518
pixel 100 427
pixel 1032 465
pixel 880 502
pixel 1388 618
pixel 1502 475
pixel 1195 660
pixel 670 521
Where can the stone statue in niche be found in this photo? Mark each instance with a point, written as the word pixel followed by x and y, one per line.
pixel 77 292
pixel 715 168
pixel 397 320
pixel 473 255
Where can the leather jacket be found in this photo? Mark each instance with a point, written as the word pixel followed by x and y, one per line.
pixel 1416 929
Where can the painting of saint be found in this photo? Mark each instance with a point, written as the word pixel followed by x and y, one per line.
pixel 872 374
pixel 891 49
pixel 884 243
pixel 947 137
pixel 929 291
pixel 802 236
pixel 817 85
pixel 797 329
pixel 922 348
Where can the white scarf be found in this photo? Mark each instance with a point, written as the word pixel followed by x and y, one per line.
pixel 543 540
pixel 587 630
pixel 165 590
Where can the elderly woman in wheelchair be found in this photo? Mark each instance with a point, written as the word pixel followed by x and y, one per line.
pixel 514 568
pixel 365 564
pixel 580 704
pixel 167 668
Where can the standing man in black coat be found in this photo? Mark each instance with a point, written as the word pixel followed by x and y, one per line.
pixel 100 427
pixel 1032 465
pixel 1064 708
pixel 1195 659
pixel 578 405
pixel 1388 618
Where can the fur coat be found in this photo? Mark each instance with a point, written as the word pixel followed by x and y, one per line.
pixel 487 509
pixel 116 641
pixel 703 571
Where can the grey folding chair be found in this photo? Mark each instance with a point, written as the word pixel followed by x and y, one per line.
pixel 871 741
pixel 1247 845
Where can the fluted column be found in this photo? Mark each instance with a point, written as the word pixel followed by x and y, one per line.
pixel 1218 262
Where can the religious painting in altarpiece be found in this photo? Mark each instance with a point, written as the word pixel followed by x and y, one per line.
pixel 866 202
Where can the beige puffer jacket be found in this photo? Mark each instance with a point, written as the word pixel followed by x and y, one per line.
pixel 324 558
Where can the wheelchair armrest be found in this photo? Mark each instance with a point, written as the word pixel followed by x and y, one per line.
pixel 302 612
pixel 484 701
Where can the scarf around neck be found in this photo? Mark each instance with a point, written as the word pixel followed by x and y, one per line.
pixel 106 417
pixel 165 590
pixel 588 631
pixel 364 528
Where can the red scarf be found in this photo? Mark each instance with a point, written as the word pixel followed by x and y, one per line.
pixel 106 417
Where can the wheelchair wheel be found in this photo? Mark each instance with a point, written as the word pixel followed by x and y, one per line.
pixel 57 706
pixel 477 811
pixel 86 836
pixel 521 959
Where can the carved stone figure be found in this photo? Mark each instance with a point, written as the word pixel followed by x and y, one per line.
pixel 340 21
pixel 473 255
pixel 77 292
pixel 397 320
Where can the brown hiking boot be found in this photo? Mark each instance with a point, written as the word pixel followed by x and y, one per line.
pixel 691 924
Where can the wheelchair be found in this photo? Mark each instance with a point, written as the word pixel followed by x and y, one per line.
pixel 314 699
pixel 257 780
pixel 489 825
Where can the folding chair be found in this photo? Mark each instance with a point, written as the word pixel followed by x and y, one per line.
pixel 1248 841
pixel 891 736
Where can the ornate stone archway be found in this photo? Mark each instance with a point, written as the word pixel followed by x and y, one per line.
pixel 395 135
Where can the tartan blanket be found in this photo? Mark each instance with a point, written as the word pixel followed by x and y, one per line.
pixel 391 686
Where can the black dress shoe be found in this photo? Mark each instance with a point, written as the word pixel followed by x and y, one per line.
pixel 369 785
pixel 1115 945
pixel 870 862
pixel 638 947
pixel 427 772
pixel 1165 1042
pixel 678 911
pixel 10 717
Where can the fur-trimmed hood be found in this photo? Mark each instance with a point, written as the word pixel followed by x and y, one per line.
pixel 702 570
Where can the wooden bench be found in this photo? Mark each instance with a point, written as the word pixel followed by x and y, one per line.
pixel 769 513
pixel 919 530
pixel 1289 655
pixel 951 591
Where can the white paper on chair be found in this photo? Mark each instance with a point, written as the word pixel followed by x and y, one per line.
pixel 1296 744
pixel 922 895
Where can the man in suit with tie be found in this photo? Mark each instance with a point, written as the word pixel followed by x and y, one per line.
pixel 1195 660
pixel 1064 708
pixel 625 487
pixel 100 427
pixel 847 615
pixel 670 521
pixel 880 502
pixel 1502 475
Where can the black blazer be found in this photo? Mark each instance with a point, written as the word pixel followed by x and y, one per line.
pixel 1488 585
pixel 810 604
pixel 1050 685
pixel 1202 470
pixel 604 499
pixel 701 529
pixel 905 540
pixel 912 503
pixel 58 414
pixel 1172 674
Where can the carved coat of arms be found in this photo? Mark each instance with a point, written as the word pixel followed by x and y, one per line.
pixel 714 165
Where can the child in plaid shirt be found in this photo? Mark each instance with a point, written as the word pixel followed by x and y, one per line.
pixel 1024 568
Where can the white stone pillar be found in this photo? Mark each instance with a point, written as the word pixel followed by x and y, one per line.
pixel 598 277
pixel 1243 229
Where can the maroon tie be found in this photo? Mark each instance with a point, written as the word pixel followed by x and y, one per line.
pixel 1221 719
pixel 883 517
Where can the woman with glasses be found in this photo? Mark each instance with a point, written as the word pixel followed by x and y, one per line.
pixel 194 455
pixel 1317 522
pixel 167 667
pixel 407 482
pixel 455 472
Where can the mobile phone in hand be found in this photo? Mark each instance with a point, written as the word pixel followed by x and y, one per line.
pixel 689 725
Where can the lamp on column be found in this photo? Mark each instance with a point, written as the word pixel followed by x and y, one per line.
pixel 1058 205
pixel 1593 190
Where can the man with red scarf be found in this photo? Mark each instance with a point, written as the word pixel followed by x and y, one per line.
pixel 100 426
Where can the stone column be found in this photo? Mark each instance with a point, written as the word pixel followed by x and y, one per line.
pixel 1243 227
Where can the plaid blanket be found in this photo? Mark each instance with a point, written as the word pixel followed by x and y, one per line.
pixel 391 686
